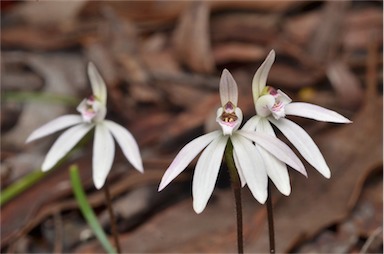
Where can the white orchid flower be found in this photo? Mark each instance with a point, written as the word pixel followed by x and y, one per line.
pixel 271 107
pixel 248 161
pixel 93 111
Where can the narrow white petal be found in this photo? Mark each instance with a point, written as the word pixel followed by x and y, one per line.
pixel 103 154
pixel 251 124
pixel 276 169
pixel 252 166
pixel 57 124
pixel 239 170
pixel 314 112
pixel 304 144
pixel 64 144
pixel 228 88
pixel 99 88
pixel 127 143
pixel 276 147
pixel 185 156
pixel 260 79
pixel 206 171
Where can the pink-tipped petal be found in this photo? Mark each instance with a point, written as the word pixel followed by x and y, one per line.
pixel 57 124
pixel 252 166
pixel 314 112
pixel 304 144
pixel 99 88
pixel 185 156
pixel 64 144
pixel 206 171
pixel 276 147
pixel 103 154
pixel 127 144
pixel 228 88
pixel 276 169
pixel 260 79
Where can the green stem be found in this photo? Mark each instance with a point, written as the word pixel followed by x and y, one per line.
pixel 271 229
pixel 236 187
pixel 18 187
pixel 87 210
pixel 22 96
pixel 112 217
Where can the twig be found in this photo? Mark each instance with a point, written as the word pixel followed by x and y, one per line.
pixel 58 247
pixel 112 217
pixel 370 239
pixel 270 221
pixel 236 186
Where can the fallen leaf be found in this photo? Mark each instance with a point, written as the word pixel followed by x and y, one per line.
pixel 192 41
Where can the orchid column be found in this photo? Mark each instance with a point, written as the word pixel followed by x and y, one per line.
pixel 243 156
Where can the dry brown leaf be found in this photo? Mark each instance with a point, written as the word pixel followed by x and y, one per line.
pixel 238 52
pixel 192 40
pixel 47 13
pixel 326 38
pixel 346 85
pixel 240 27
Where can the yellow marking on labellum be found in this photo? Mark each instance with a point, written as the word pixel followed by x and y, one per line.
pixel 228 117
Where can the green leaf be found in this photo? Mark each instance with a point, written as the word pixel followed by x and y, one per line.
pixel 87 210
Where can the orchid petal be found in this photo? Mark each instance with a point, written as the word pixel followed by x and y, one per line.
pixel 127 144
pixel 103 154
pixel 251 124
pixel 260 79
pixel 304 144
pixel 314 112
pixel 252 166
pixel 206 171
pixel 277 148
pixel 276 169
pixel 64 144
pixel 99 88
pixel 283 97
pixel 57 124
pixel 239 169
pixel 228 88
pixel 185 156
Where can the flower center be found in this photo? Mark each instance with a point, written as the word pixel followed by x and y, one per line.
pixel 229 115
pixel 92 110
pixel 272 101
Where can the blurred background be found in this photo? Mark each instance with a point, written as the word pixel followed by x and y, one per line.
pixel 162 61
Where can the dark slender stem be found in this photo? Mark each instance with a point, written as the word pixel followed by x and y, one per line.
pixel 236 186
pixel 112 217
pixel 270 221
